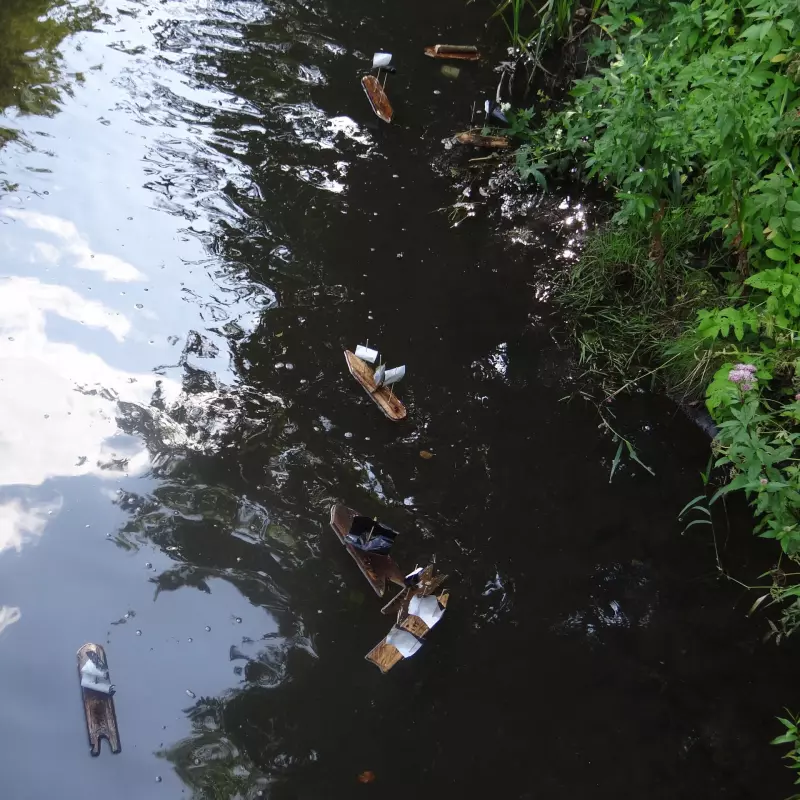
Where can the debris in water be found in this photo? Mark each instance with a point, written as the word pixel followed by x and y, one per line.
pixel 450 72
pixel 208 628
pixel 465 52
pixel 377 98
pixel 191 694
pixel 367 776
pixel 375 383
pixel 426 454
pixel 478 140
pixel 98 698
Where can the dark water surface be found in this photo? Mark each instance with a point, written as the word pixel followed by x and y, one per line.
pixel 199 214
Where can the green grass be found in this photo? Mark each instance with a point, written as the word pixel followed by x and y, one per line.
pixel 532 27
pixel 626 311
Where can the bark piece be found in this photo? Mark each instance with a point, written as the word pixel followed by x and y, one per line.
pixel 477 140
pixel 462 52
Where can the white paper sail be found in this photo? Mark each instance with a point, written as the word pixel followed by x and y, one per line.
pixel 365 354
pixel 91 670
pixel 381 60
pixel 96 685
pixel 379 375
pixel 394 375
pixel 405 642
pixel 426 608
pixel 95 678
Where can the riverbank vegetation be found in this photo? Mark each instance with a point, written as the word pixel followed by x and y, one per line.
pixel 689 116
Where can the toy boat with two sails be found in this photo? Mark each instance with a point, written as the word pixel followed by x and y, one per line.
pixel 378 383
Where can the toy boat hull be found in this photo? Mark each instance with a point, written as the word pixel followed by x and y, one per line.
pixel 377 569
pixel 101 718
pixel 377 98
pixel 382 396
pixel 386 655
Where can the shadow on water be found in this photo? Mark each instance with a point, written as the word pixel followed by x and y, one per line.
pixel 205 214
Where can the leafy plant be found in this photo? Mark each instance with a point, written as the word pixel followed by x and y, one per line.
pixel 532 28
pixel 792 737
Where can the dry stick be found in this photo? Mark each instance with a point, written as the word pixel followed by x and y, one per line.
pixel 578 34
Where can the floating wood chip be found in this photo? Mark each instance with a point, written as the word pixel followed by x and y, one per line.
pixel 477 140
pixel 377 98
pixel 383 397
pixel 98 706
pixel 376 568
pixel 464 52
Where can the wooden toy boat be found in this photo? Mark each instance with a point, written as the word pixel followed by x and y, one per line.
pixel 419 608
pixel 383 396
pixel 98 704
pixel 376 568
pixel 377 98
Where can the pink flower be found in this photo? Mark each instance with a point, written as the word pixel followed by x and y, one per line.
pixel 744 375
pixel 763 481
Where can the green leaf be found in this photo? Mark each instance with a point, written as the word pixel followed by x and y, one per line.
pixel 691 503
pixel 615 462
pixel 778 255
pixel 697 522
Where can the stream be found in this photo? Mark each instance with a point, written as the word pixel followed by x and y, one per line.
pixel 199 213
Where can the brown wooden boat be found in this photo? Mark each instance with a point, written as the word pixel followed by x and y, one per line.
pixel 377 98
pixel 101 718
pixel 385 655
pixel 376 568
pixel 384 398
pixel 462 52
pixel 477 140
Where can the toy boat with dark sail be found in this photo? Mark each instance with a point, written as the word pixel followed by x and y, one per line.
pixel 369 543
